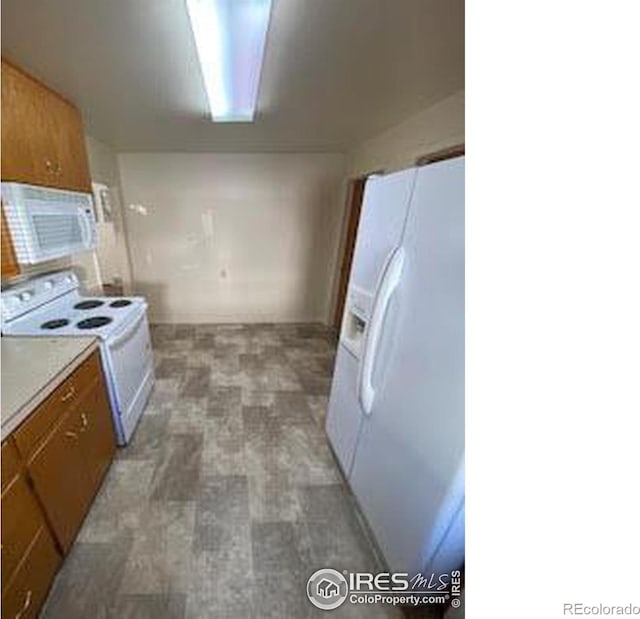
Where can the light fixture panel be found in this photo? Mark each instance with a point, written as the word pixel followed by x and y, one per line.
pixel 230 37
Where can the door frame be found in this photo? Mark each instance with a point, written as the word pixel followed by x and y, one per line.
pixel 355 194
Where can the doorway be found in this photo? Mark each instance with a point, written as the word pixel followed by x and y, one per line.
pixel 355 194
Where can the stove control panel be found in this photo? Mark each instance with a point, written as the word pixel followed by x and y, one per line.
pixel 27 296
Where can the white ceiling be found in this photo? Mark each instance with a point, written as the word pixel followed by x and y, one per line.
pixel 336 71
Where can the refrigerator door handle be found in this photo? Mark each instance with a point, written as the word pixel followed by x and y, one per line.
pixel 389 282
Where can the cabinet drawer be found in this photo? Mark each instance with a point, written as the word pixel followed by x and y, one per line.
pixel 21 520
pixel 28 588
pixel 35 428
pixel 10 462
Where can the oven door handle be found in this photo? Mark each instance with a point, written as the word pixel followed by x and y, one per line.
pixel 128 332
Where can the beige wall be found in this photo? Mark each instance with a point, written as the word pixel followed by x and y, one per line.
pixel 438 126
pixel 233 237
pixel 113 253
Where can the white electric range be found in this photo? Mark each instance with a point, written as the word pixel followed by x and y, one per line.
pixel 50 305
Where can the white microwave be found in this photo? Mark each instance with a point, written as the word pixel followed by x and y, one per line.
pixel 48 223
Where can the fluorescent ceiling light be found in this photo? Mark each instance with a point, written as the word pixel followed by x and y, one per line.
pixel 230 38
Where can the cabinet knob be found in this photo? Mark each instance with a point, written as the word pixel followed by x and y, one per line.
pixel 85 421
pixel 70 434
pixel 27 603
pixel 67 396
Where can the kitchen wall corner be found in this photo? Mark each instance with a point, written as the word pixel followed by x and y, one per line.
pixel 103 165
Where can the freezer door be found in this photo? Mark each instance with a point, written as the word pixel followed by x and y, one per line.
pixel 384 210
pixel 412 442
pixel 344 416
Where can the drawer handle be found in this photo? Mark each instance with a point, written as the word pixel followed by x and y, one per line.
pixel 67 396
pixel 85 421
pixel 70 434
pixel 27 603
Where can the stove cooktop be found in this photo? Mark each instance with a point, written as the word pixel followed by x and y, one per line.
pixel 51 305
pixel 77 316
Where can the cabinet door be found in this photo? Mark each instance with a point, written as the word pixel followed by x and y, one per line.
pixel 26 141
pixel 21 520
pixel 60 479
pixel 27 589
pixel 10 462
pixel 71 167
pixel 97 438
pixel 9 263
pixel 42 135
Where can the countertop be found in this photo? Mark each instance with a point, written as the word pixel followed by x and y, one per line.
pixel 32 367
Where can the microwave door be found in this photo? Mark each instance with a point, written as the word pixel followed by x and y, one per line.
pixel 59 230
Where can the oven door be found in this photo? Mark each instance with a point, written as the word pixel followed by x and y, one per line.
pixel 130 361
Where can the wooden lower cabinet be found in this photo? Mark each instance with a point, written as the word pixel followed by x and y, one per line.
pixel 30 557
pixel 98 439
pixel 52 467
pixel 60 479
pixel 68 468
pixel 28 587
pixel 22 518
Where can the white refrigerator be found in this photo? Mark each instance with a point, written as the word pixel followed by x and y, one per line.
pixel 396 411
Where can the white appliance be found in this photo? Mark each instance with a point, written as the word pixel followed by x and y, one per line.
pixel 50 305
pixel 396 411
pixel 48 223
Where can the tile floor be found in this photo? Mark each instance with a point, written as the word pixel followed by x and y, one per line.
pixel 228 498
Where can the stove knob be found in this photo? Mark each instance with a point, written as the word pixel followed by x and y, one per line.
pixel 25 296
pixel 48 285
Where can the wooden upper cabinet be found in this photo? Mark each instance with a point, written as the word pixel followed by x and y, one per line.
pixel 8 258
pixel 42 135
pixel 69 158
pixel 23 128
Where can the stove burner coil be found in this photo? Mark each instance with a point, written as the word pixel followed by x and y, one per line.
pixel 120 303
pixel 94 322
pixel 54 324
pixel 89 304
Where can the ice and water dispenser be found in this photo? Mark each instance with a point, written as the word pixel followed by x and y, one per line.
pixel 354 321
